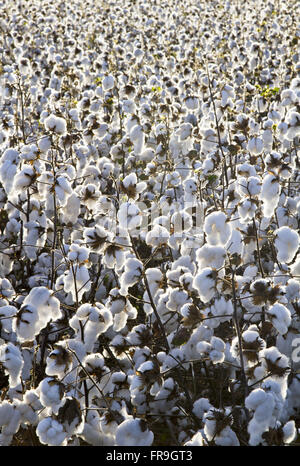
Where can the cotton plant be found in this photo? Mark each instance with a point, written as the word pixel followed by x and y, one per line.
pixel 149 219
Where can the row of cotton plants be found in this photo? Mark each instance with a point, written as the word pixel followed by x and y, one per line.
pixel 149 223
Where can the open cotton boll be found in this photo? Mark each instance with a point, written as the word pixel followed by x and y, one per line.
pixel 8 168
pixel 26 323
pixel 129 216
pixel 196 440
pixel 24 178
pixel 201 406
pixel 10 419
pixel 29 407
pixel 269 194
pixel 108 82
pixel 59 361
pixel 213 256
pixel 56 124
pixel 62 189
pixel 78 253
pixel 205 283
pixel 131 187
pixel 280 317
pixel 222 308
pixel 48 306
pixel 93 432
pixel 134 432
pixel 288 97
pixel 177 298
pixel 249 186
pixel 97 320
pixel 286 243
pixel 217 229
pixel 51 432
pixel 96 238
pixel 255 145
pixel 137 136
pixel 12 360
pixel 77 281
pixel 293 121
pixel 51 393
pixel 289 432
pixel 157 236
pixel 182 222
pixel 71 209
pixel 131 274
pixel 6 314
pixel 222 436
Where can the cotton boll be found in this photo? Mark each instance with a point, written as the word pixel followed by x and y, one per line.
pixel 280 317
pixel 137 136
pixel 25 324
pixel 157 236
pixel 129 216
pixel 59 361
pixel 51 393
pixel 71 209
pixel 177 298
pixel 286 243
pixel 70 417
pixel 48 306
pixel 217 229
pixel 196 440
pixel 292 290
pixel 9 422
pixel 97 320
pixel 134 432
pixel 249 186
pixel 108 82
pixel 131 187
pixel 221 309
pixel 205 284
pixel 51 432
pixel 12 360
pixel 263 405
pixel 213 256
pixel 62 189
pixel 24 178
pixel 289 432
pixel 278 364
pixel 131 274
pixel 191 102
pixel 269 194
pixel 201 406
pixel 255 146
pixel 288 97
pixel 56 124
pixel 30 407
pixel 6 314
pixel 96 238
pixel 92 432
pixel 224 436
pixel 8 168
pixel 79 275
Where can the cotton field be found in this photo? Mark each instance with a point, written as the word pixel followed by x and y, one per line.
pixel 149 223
